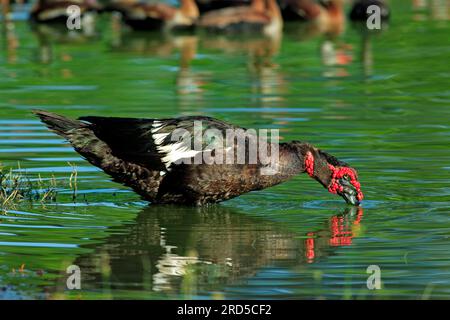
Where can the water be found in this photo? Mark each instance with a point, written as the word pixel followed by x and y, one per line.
pixel 378 101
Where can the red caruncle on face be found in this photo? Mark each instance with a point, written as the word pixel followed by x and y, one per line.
pixel 339 173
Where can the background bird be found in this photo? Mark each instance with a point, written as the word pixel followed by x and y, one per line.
pixel 261 16
pixel 152 16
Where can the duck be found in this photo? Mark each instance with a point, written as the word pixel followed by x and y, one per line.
pixel 152 16
pixel 6 10
pixel 56 11
pixel 359 8
pixel 154 157
pixel 210 5
pixel 261 16
pixel 326 13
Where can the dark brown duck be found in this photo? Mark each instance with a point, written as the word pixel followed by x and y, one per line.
pixel 142 154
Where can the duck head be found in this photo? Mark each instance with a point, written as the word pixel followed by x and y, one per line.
pixel 344 182
pixel 335 175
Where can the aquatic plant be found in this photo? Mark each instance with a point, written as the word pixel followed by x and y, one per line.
pixel 16 186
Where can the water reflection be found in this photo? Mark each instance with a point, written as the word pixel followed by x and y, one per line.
pixel 178 250
pixel 431 9
pixel 306 31
pixel 49 36
pixel 10 40
pixel 334 53
pixel 59 33
pixel 367 54
pixel 335 57
pixel 188 82
pixel 268 85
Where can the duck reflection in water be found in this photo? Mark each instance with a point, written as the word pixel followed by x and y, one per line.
pixel 327 22
pixel 50 35
pixel 430 10
pixel 9 39
pixel 267 82
pixel 188 82
pixel 206 248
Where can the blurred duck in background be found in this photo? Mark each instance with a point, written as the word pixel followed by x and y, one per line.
pixel 56 11
pixel 324 18
pixel 57 18
pixel 359 10
pixel 324 12
pixel 209 5
pixel 259 17
pixel 153 16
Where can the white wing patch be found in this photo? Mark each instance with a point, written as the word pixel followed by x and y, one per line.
pixel 174 151
pixel 157 125
pixel 159 137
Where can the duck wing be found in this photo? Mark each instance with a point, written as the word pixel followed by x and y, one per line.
pixel 158 144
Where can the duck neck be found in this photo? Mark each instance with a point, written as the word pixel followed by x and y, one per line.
pixel 258 5
pixel 273 9
pixel 189 9
pixel 300 157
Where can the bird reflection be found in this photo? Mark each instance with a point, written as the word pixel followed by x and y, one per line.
pixel 431 9
pixel 268 83
pixel 169 248
pixel 303 31
pixel 153 44
pixel 336 56
pixel 188 83
pixel 49 35
pixel 366 52
pixel 334 53
pixel 10 40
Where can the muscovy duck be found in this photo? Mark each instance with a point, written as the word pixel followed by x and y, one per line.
pixel 142 154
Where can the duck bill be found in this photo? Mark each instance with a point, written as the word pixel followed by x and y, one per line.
pixel 350 198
